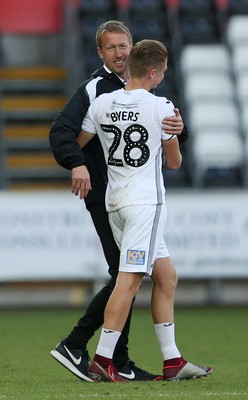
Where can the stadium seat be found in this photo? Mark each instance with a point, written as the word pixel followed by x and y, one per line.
pixel 142 6
pixel 172 4
pixel 246 167
pixel 244 118
pixel 122 5
pixel 213 114
pixel 196 6
pixel 92 13
pixel 240 58
pixel 26 17
pixel 90 24
pixel 147 20
pixel 167 87
pixel 237 31
pixel 219 153
pixel 96 6
pixel 91 61
pixel 208 86
pixel 222 11
pixel 238 7
pixel 242 87
pixel 204 58
pixel 143 26
pixel 34 80
pixel 199 29
pixel 198 21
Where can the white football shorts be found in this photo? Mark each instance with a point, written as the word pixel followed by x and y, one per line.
pixel 139 234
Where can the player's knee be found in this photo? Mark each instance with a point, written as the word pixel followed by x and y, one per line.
pixel 173 279
pixel 167 282
pixel 129 283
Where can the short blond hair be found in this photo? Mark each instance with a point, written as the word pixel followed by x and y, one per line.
pixel 145 55
pixel 114 27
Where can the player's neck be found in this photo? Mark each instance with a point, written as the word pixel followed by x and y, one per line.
pixel 135 83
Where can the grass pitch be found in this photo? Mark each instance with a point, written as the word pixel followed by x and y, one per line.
pixel 212 336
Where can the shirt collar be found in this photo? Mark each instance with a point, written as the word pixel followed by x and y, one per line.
pixel 110 72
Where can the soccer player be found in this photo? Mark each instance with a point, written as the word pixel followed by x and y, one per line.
pixel 114 42
pixel 128 123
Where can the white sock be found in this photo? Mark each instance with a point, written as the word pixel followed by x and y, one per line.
pixel 107 342
pixel 166 338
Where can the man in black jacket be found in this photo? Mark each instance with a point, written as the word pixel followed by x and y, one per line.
pixel 72 351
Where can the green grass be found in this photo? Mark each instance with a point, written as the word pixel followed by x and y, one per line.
pixel 212 336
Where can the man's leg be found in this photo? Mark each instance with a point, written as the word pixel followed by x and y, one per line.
pixel 93 318
pixel 72 351
pixel 116 312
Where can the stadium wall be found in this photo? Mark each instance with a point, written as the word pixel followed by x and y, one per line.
pixel 47 240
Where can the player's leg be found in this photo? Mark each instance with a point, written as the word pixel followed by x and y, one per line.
pixel 76 342
pixel 162 307
pixel 118 306
pixel 163 289
pixel 116 312
pixel 135 231
pixel 111 252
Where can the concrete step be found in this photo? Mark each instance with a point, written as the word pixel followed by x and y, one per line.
pixel 32 102
pixel 31 79
pixel 31 186
pixel 31 160
pixel 31 131
pixel 31 107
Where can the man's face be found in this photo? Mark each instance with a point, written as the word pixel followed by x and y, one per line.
pixel 114 52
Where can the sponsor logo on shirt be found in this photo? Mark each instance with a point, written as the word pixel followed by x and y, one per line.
pixel 136 257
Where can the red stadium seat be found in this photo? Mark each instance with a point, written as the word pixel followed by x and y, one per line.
pixel 172 3
pixel 123 4
pixel 222 4
pixel 30 17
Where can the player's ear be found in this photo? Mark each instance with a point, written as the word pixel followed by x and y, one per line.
pixel 99 52
pixel 152 72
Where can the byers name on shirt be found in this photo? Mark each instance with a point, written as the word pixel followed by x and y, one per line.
pixel 124 116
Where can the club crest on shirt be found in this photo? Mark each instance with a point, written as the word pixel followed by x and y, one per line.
pixel 136 257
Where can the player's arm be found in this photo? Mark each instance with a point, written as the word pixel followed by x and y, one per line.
pixel 84 137
pixel 172 154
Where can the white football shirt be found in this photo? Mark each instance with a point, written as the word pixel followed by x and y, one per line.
pixel 129 127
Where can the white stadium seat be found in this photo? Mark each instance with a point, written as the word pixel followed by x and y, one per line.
pixel 242 87
pixel 237 30
pixel 218 150
pixel 208 86
pixel 206 57
pixel 244 118
pixel 240 59
pixel 213 114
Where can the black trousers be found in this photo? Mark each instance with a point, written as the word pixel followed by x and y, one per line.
pixel 93 318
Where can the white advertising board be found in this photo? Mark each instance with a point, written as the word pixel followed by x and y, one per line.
pixel 207 233
pixel 47 236
pixel 50 236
